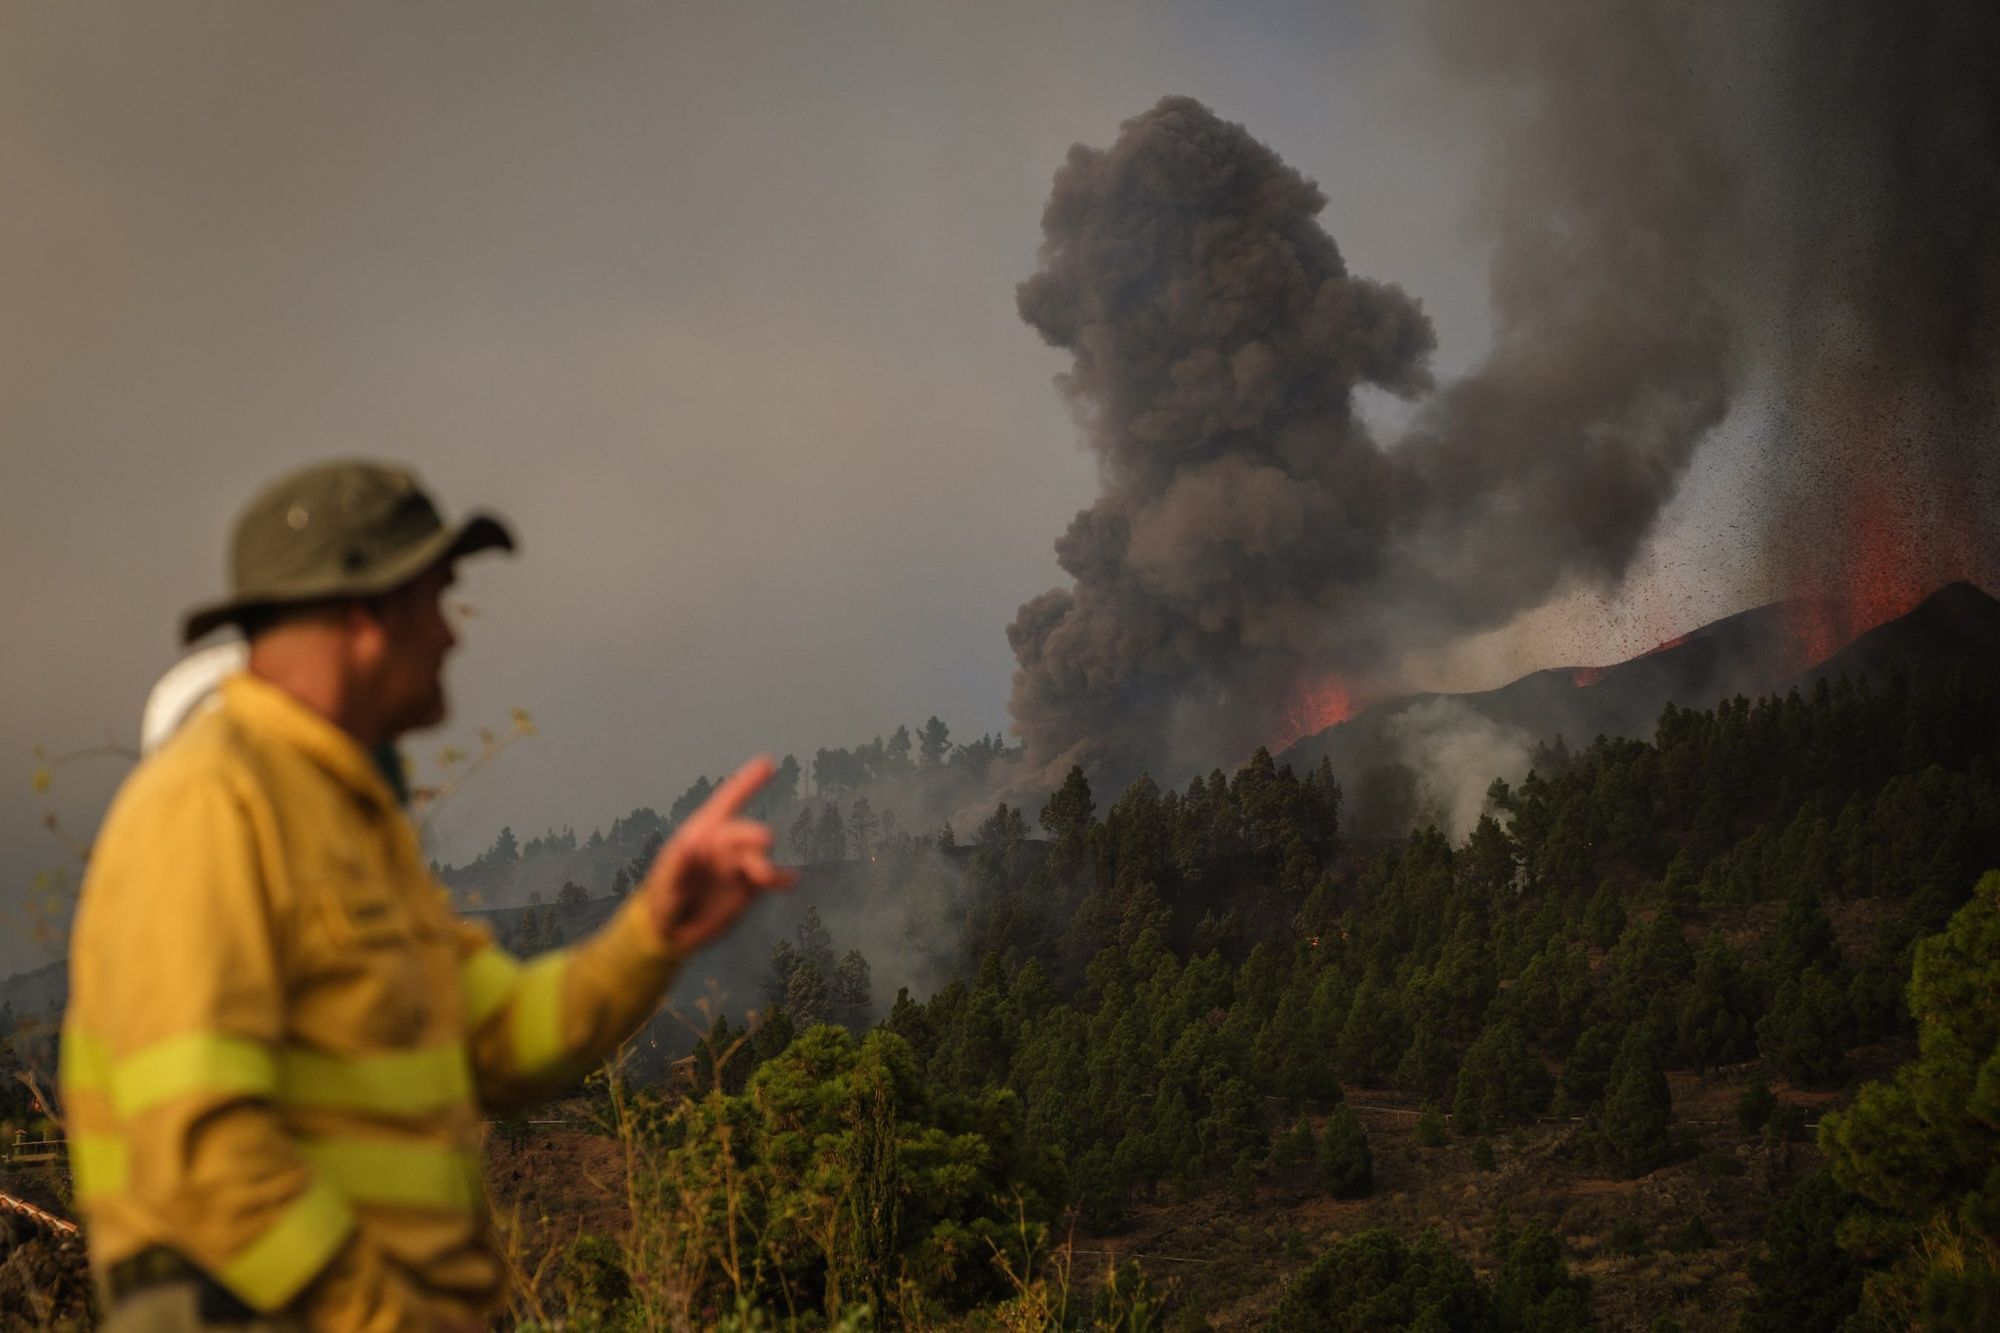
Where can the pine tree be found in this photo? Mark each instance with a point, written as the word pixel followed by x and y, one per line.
pixel 1067 819
pixel 1803 1282
pixel 1806 1032
pixel 1500 1082
pixel 1649 968
pixel 1429 1066
pixel 1374 1280
pixel 1534 1291
pixel 1345 1162
pixel 1373 1038
pixel 830 837
pixel 1632 1128
pixel 806 997
pixel 1604 919
pixel 1805 937
pixel 714 1052
pixel 933 744
pixel 1755 1107
pixel 772 1036
pixel 815 941
pixel 1921 1149
pixel 802 838
pixel 1715 1023
pixel 861 826
pixel 896 754
pixel 1587 1072
pixel 1552 996
pixel 853 998
pixel 689 801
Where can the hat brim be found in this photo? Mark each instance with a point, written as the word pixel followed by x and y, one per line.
pixel 479 532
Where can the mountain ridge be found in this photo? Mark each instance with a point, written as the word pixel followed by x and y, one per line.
pixel 1388 756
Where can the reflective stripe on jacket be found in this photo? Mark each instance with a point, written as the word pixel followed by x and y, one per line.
pixel 280 1040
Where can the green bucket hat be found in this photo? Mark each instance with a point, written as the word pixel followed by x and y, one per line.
pixel 338 529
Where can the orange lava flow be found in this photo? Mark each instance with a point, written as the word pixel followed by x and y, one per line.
pixel 1315 706
pixel 1884 574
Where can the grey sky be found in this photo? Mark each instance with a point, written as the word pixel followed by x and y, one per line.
pixel 714 302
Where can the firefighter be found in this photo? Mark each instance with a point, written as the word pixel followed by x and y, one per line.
pixel 280 1041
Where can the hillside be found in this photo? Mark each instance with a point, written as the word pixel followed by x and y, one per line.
pixel 1569 1063
pixel 1382 754
pixel 1603 1027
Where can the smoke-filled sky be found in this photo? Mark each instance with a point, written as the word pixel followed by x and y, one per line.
pixel 1682 199
pixel 716 303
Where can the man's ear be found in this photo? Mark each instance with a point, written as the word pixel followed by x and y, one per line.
pixel 366 620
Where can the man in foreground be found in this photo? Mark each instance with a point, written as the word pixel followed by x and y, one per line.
pixel 280 1042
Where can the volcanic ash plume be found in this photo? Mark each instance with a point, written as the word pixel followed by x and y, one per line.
pixel 1218 339
pixel 1251 538
pixel 1887 232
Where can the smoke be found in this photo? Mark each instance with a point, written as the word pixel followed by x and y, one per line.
pixel 1450 754
pixel 1681 199
pixel 1252 537
pixel 1217 340
pixel 1887 238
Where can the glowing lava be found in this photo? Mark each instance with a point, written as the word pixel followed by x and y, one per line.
pixel 1315 706
pixel 1890 563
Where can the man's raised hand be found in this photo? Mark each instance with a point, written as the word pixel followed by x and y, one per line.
pixel 715 864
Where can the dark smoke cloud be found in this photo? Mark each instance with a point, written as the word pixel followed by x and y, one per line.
pixel 1218 340
pixel 1612 202
pixel 1682 200
pixel 1888 213
pixel 1251 536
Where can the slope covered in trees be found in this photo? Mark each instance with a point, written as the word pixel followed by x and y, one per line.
pixel 1194 1023
pixel 1182 998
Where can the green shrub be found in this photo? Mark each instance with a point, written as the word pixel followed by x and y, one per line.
pixel 1754 1107
pixel 1294 1149
pixel 1629 1238
pixel 1691 1237
pixel 1787 1123
pixel 1430 1128
pixel 1534 1291
pixel 1345 1162
pixel 1374 1280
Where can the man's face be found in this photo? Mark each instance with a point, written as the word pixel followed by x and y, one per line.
pixel 401 650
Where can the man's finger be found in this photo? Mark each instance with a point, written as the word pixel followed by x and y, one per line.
pixel 734 792
pixel 759 871
pixel 747 833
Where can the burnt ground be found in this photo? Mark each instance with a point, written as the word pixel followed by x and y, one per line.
pixel 44 1277
pixel 1228 1258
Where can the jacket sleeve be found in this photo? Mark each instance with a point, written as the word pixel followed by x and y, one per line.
pixel 181 1027
pixel 537 1025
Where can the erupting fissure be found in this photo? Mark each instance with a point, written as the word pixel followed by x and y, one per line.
pixel 1315 706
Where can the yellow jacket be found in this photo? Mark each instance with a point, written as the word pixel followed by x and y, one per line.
pixel 280 1040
